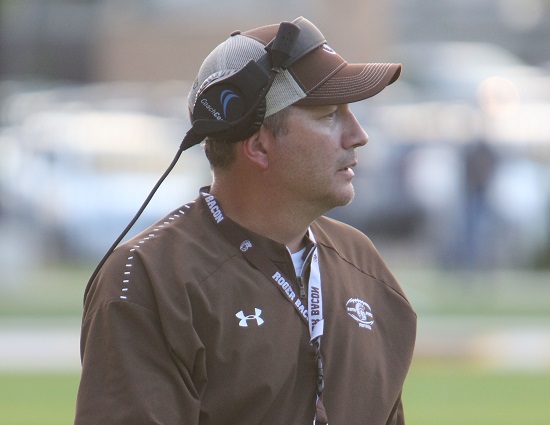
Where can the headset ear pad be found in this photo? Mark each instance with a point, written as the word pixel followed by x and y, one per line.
pixel 232 108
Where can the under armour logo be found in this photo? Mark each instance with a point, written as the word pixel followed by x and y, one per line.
pixel 244 319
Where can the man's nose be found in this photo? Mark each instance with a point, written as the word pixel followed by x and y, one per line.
pixel 356 136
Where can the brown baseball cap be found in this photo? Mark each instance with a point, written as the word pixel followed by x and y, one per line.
pixel 319 77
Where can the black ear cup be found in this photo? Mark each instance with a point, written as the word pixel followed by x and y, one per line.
pixel 222 102
pixel 233 107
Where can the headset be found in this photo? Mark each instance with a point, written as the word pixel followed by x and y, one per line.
pixel 233 107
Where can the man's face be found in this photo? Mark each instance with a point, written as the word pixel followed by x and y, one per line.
pixel 313 158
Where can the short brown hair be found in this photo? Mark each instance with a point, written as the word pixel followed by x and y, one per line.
pixel 221 153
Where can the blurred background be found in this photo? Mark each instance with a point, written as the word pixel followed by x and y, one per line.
pixel 453 187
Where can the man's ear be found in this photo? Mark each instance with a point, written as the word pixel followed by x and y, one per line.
pixel 255 149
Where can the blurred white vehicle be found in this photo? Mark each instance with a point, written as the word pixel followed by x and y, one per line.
pixel 82 175
pixel 456 72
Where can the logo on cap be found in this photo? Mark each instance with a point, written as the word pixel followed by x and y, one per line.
pixel 328 49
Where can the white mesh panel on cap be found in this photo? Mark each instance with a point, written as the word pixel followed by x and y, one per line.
pixel 284 92
pixel 232 55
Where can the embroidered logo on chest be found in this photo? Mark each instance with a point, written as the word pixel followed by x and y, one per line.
pixel 360 311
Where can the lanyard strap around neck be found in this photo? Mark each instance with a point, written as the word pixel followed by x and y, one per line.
pixel 260 260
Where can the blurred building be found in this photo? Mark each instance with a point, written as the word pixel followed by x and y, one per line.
pixel 146 40
pixel 521 26
pixel 105 40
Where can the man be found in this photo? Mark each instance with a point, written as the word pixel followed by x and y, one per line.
pixel 246 305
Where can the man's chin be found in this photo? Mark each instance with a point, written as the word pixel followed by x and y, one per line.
pixel 344 197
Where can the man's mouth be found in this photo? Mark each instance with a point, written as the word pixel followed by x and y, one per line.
pixel 348 167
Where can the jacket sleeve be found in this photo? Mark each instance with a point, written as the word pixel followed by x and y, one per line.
pixel 129 373
pixel 397 416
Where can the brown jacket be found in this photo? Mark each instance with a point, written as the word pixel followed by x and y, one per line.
pixel 170 332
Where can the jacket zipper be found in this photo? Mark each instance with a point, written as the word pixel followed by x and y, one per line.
pixel 302 287
pixel 301 284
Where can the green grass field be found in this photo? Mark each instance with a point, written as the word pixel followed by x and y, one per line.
pixel 460 394
pixel 435 394
pixel 37 399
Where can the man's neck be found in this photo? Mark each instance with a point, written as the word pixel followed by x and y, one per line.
pixel 264 213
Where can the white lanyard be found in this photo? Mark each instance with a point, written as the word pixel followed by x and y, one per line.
pixel 315 297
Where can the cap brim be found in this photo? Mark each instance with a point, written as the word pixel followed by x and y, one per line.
pixel 352 83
